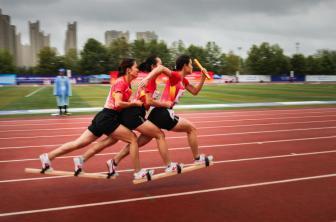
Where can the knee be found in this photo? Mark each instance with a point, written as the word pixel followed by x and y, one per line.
pixel 133 138
pixel 159 135
pixel 192 129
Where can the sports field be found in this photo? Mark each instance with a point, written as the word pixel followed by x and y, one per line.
pixel 41 97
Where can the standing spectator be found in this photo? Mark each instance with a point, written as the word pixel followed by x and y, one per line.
pixel 62 91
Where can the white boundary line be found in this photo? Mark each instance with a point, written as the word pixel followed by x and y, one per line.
pixel 210 121
pixel 206 127
pixel 199 114
pixel 195 106
pixel 179 137
pixel 217 189
pixel 247 143
pixel 35 91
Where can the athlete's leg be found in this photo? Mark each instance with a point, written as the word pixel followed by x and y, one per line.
pixel 185 125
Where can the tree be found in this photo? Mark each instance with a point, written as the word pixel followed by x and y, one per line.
pixel 139 50
pixel 6 62
pixel 177 48
pixel 71 60
pixel 197 52
pixel 327 60
pixel 94 58
pixel 298 64
pixel 49 62
pixel 267 60
pixel 213 57
pixel 230 63
pixel 117 50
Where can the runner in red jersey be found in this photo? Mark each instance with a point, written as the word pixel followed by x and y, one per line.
pixel 107 122
pixel 162 115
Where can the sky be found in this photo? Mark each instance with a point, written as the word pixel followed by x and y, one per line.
pixel 235 25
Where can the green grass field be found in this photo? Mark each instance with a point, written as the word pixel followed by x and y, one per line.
pixel 16 97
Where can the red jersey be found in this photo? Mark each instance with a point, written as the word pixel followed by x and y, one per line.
pixel 175 86
pixel 120 86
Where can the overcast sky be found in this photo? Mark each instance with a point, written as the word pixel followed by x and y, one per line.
pixel 230 23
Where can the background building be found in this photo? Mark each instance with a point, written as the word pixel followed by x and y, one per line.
pixel 112 35
pixel 7 35
pixel 37 40
pixel 71 37
pixel 147 36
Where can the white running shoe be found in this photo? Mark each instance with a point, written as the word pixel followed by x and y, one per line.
pixel 143 174
pixel 174 167
pixel 202 159
pixel 111 168
pixel 79 162
pixel 46 163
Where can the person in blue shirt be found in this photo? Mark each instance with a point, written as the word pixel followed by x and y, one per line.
pixel 62 91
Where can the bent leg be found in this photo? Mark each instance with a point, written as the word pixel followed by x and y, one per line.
pixel 85 139
pixel 124 134
pixel 142 140
pixel 98 147
pixel 185 125
pixel 150 130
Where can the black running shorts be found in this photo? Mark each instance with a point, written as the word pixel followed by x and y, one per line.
pixel 132 117
pixel 105 122
pixel 163 118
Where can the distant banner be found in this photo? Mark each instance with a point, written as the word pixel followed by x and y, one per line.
pixel 293 78
pixel 7 79
pixel 254 78
pixel 321 78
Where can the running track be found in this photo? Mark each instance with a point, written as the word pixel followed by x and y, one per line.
pixel 270 165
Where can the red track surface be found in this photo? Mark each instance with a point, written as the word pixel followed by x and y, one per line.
pixel 270 165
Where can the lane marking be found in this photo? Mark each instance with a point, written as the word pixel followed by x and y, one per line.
pixel 161 167
pixel 188 193
pixel 206 127
pixel 178 137
pixel 34 92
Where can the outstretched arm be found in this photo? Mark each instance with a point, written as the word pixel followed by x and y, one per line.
pixel 154 73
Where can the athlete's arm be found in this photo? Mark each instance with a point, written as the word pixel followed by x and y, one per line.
pixel 157 103
pixel 195 89
pixel 154 73
pixel 122 104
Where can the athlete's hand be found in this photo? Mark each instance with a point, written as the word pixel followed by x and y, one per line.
pixel 168 104
pixel 137 103
pixel 143 83
pixel 205 72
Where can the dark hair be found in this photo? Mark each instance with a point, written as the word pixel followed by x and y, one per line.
pixel 181 61
pixel 146 66
pixel 125 64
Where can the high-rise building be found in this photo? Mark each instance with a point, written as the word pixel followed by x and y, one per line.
pixel 112 35
pixel 71 37
pixel 7 35
pixel 147 36
pixel 37 40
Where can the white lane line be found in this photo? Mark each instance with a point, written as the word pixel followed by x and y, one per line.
pixel 217 189
pixel 199 116
pixel 178 137
pixel 35 91
pixel 206 127
pixel 247 143
pixel 192 114
pixel 210 121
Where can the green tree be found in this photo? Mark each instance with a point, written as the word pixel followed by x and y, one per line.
pixel 327 60
pixel 298 64
pixel 231 63
pixel 117 50
pixel 139 50
pixel 94 58
pixel 177 48
pixel 267 60
pixel 197 52
pixel 313 65
pixel 71 60
pixel 160 49
pixel 213 57
pixel 6 62
pixel 48 62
